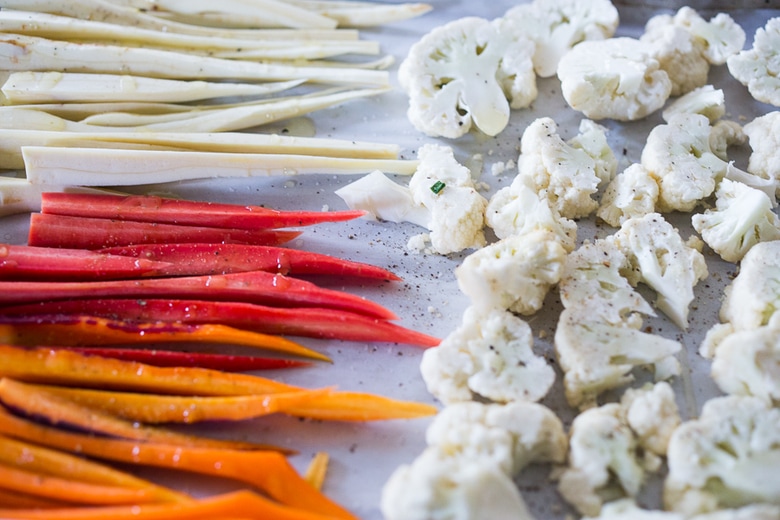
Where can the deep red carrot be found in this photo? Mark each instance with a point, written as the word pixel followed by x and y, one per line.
pixel 201 259
pixel 96 233
pixel 19 262
pixel 174 358
pixel 80 330
pixel 252 287
pixel 303 321
pixel 147 208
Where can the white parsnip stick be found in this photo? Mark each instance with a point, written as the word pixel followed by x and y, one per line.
pixel 364 14
pixel 102 10
pixel 29 53
pixel 112 167
pixel 70 87
pixel 19 195
pixel 56 27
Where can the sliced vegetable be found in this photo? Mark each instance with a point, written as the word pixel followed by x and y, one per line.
pixel 265 470
pixel 18 195
pixel 302 321
pixel 237 505
pixel 44 405
pixel 31 53
pixel 148 208
pixel 16 500
pixel 61 367
pixel 115 167
pixel 173 358
pixel 257 287
pixel 28 454
pixel 65 330
pixel 96 233
pixel 318 467
pixel 25 262
pixel 202 259
pixel 364 14
pixel 157 409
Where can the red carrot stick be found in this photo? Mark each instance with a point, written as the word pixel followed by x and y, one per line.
pixel 174 358
pixel 252 287
pixel 96 233
pixel 147 208
pixel 19 262
pixel 303 321
pixel 202 259
pixel 81 330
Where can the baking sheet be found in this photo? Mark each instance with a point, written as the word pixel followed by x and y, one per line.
pixel 364 455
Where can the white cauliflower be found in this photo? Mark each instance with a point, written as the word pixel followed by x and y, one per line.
pixel 756 68
pixel 747 362
pixel 705 100
pixel 436 485
pixel 441 197
pixel 568 174
pixel 489 355
pixel 631 194
pixel 514 274
pixel 652 414
pixel 616 78
pixel 627 509
pixel 660 258
pixel 466 470
pixel 742 218
pixel 512 435
pixel 726 133
pixel 753 297
pixel 556 26
pixel 519 209
pixel 596 356
pixel 602 460
pixel 592 280
pixel 728 457
pixel 763 134
pixel 685 45
pixel 468 71
pixel 592 139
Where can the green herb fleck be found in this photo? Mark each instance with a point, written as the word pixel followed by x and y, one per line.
pixel 437 187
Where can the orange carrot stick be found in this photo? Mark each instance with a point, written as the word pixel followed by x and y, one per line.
pixel 155 408
pixel 318 467
pixel 37 402
pixel 47 486
pixel 63 330
pixel 34 458
pixel 66 368
pixel 237 505
pixel 18 500
pixel 266 470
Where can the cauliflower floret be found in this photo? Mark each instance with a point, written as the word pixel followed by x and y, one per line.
pixel 678 155
pixel 763 134
pixel 567 174
pixel 685 45
pixel 652 414
pixel 725 134
pixel 660 258
pixel 705 100
pixel 489 355
pixel 747 362
pixel 626 509
pixel 556 26
pixel 592 280
pixel 470 70
pixel 742 218
pixel 602 460
pixel 441 197
pixel 514 274
pixel 728 457
pixel 753 297
pixel 614 78
pixel 631 194
pixel 512 435
pixel 436 485
pixel 596 356
pixel 519 209
pixel 592 139
pixel 756 68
